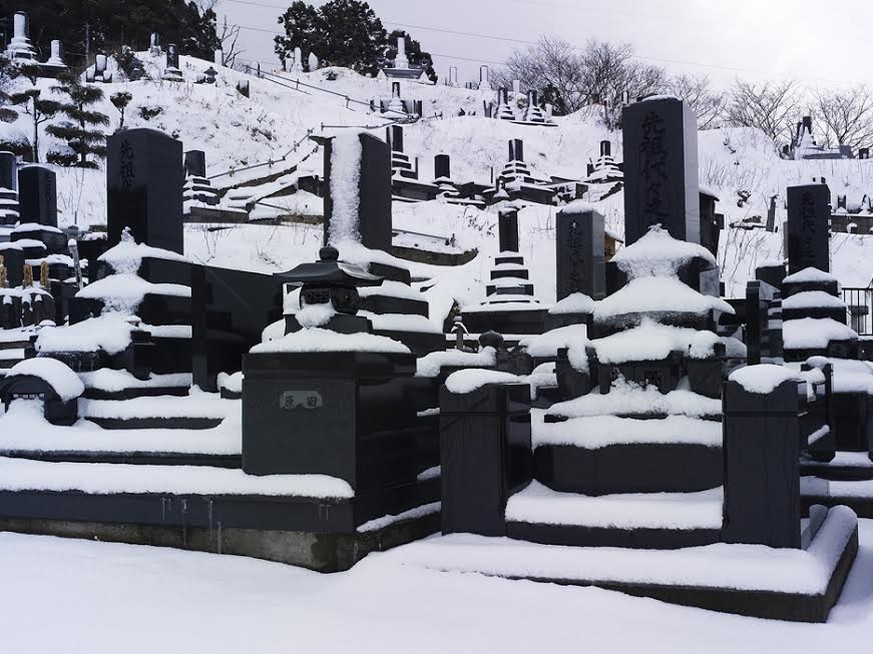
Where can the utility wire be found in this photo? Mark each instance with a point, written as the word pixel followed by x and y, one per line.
pixel 686 62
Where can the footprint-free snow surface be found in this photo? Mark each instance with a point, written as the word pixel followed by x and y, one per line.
pixel 76 596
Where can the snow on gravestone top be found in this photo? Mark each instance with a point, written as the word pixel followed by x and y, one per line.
pixel 814 333
pixel 316 339
pixel 232 383
pixel 595 432
pixel 345 176
pixel 431 364
pixel 657 295
pixel 125 292
pixel 652 342
pixel 629 398
pixel 471 379
pixel 659 254
pixel 59 376
pixel 763 378
pixel 809 275
pixel 109 333
pixel 30 227
pixel 573 303
pixel 127 256
pixel 547 344
pixel 813 300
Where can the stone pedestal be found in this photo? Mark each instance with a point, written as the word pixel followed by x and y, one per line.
pixel 762 469
pixel 343 414
pixel 485 455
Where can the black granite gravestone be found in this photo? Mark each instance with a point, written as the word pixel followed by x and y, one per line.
pixel 763 323
pixel 762 469
pixel 579 254
pixel 507 230
pixel 7 171
pixel 230 310
pixel 374 193
pixel 37 195
pixel 13 260
pixel 807 231
pixel 660 169
pixel 172 56
pixel 442 167
pixel 195 163
pixel 144 185
pixel 395 138
pixel 485 455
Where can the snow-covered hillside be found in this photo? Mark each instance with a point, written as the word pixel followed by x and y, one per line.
pixel 235 132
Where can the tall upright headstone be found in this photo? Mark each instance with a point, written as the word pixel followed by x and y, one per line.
pixel 8 176
pixel 808 233
pixel 20 46
pixel 395 138
pixel 442 167
pixel 401 60
pixel 195 163
pixel 144 184
pixel 507 230
pixel 172 56
pixel 362 212
pixel 56 58
pixel 660 169
pixel 579 254
pixel 484 81
pixel 37 195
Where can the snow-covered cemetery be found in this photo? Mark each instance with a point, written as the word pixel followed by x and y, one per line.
pixel 308 357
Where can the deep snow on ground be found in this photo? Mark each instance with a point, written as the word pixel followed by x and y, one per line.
pixel 235 131
pixel 75 596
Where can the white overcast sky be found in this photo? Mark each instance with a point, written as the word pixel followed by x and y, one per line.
pixel 819 42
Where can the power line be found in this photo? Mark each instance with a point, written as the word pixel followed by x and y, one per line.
pixel 438 54
pixel 494 37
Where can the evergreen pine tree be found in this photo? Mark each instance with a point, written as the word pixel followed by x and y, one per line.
pixel 120 101
pixel 79 130
pixel 303 29
pixel 352 36
pixel 37 108
pixel 7 71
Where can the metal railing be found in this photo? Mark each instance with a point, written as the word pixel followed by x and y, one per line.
pixel 297 144
pixel 860 304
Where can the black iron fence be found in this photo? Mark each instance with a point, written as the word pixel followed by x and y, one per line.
pixel 859 302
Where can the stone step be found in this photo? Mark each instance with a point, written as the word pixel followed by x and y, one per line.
pixel 129 458
pixel 603 455
pixel 640 520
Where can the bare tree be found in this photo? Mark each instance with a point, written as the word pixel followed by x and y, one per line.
pixel 553 66
pixel 697 93
pixel 772 107
pixel 612 77
pixel 228 36
pixel 846 116
pixel 601 73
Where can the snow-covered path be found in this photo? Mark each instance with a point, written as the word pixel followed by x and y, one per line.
pixel 77 596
